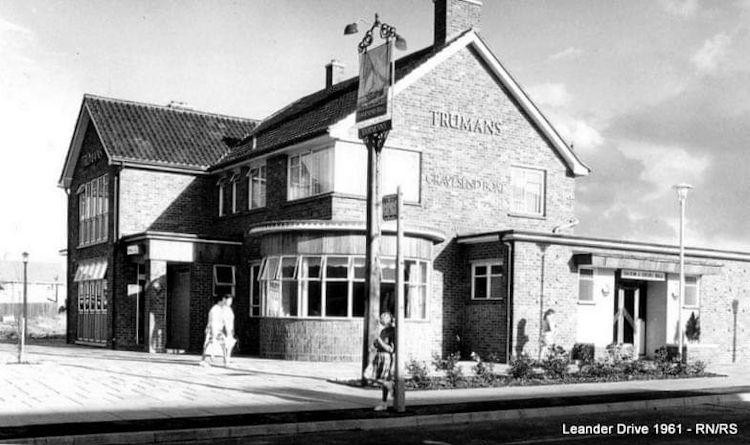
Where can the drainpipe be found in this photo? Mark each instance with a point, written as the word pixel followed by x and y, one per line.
pixel 111 306
pixel 509 301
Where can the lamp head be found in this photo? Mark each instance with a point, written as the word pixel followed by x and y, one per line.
pixel 682 190
pixel 25 257
pixel 351 28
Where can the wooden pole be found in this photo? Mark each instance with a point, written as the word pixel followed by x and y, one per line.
pixel 399 402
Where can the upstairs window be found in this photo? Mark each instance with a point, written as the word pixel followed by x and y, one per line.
pixel 585 285
pixel 222 186
pixel 691 292
pixel 93 211
pixel 528 189
pixel 309 174
pixel 233 180
pixel 487 280
pixel 256 187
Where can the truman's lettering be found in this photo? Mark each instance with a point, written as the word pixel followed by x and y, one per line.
pixel 463 123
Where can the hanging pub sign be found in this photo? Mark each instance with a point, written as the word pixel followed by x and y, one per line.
pixel 374 96
pixel 646 275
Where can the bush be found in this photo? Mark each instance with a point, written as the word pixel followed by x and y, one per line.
pixel 583 352
pixel 484 371
pixel 418 371
pixel 522 367
pixel 617 352
pixel 693 328
pixel 449 365
pixel 555 364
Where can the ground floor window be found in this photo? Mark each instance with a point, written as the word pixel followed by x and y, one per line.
pixel 92 296
pixel 334 286
pixel 224 280
pixel 585 285
pixel 691 292
pixel 487 280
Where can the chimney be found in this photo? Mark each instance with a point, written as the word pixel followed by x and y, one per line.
pixel 334 73
pixel 454 17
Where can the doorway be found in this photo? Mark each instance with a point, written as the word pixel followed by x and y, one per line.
pixel 178 307
pixel 629 326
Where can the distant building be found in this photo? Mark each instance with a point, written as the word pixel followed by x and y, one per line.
pixel 170 207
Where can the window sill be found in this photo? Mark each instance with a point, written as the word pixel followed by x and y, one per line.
pixel 243 213
pixel 291 202
pixel 526 215
pixel 364 199
pixel 587 303
pixel 486 300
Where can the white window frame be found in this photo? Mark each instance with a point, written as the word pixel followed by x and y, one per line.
pixel 232 284
pixel 520 175
pixel 489 275
pixel 587 278
pixel 322 179
pixel 261 169
pixel 695 285
pixel 221 184
pixel 350 279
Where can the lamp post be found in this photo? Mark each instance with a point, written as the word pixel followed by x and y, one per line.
pixel 374 141
pixel 22 344
pixel 682 192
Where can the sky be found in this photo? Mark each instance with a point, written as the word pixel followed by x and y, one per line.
pixel 650 93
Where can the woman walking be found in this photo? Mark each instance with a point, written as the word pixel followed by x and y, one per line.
pixel 383 361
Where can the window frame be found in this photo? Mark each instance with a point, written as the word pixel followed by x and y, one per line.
pixel 216 282
pixel 488 263
pixel 326 178
pixel 696 286
pixel 519 207
pixel 93 211
pixel 262 171
pixel 255 282
pixel 221 183
pixel 591 279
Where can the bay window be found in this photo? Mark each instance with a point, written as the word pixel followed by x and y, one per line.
pixel 334 286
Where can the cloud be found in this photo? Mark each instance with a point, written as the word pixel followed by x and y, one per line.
pixel 580 134
pixel 6 26
pixel 568 53
pixel 553 94
pixel 681 8
pixel 712 53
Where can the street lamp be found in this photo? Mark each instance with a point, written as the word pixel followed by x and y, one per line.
pixel 682 193
pixel 374 139
pixel 22 344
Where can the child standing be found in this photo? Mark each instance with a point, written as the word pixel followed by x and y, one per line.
pixel 383 362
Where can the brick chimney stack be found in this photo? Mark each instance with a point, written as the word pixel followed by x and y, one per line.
pixel 334 73
pixel 455 16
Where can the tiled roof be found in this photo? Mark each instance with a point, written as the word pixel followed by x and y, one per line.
pixel 172 136
pixel 313 114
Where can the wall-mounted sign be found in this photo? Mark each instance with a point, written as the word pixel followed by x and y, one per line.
pixel 645 275
pixel 464 123
pixel 134 249
pixel 375 79
pixel 463 182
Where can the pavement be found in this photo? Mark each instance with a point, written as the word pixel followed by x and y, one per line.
pixel 77 394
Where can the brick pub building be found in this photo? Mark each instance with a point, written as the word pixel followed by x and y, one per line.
pixel 168 207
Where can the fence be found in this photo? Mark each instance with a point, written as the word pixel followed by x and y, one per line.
pixel 34 310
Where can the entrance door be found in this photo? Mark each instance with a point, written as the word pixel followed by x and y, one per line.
pixel 178 307
pixel 629 326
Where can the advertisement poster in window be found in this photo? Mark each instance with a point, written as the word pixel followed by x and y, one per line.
pixel 374 96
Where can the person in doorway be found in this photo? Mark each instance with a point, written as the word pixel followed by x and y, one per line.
pixel 219 331
pixel 382 364
pixel 548 331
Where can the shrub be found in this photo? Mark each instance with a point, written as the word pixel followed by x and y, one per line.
pixel 693 328
pixel 418 371
pixel 449 365
pixel 522 367
pixel 617 352
pixel 555 364
pixel 583 352
pixel 484 371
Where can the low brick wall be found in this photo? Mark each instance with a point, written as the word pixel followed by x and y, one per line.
pixel 314 340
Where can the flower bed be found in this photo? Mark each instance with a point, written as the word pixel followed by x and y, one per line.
pixel 555 368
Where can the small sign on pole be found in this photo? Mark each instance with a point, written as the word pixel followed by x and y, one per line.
pixel 390 207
